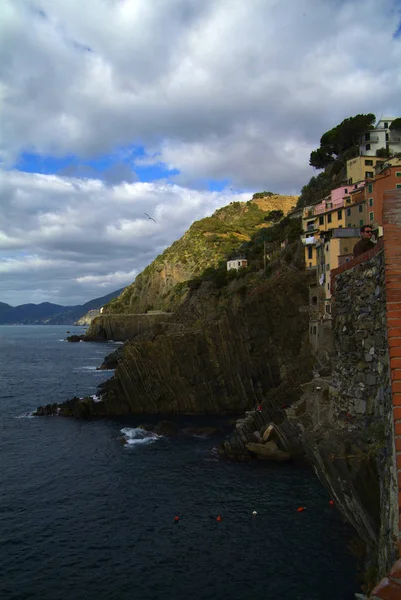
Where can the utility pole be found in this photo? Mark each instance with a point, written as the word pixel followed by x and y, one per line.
pixel 264 259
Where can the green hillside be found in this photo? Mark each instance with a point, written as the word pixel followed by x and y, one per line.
pixel 207 244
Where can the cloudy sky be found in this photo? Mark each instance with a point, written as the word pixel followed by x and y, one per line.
pixel 113 108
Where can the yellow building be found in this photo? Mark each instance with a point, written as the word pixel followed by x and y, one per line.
pixel 333 249
pixel 361 168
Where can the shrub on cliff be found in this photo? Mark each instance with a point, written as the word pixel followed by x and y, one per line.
pixel 274 216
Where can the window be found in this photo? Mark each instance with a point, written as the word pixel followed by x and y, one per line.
pixel 385 125
pixel 345 248
pixel 371 216
pixel 346 191
pixel 370 201
pixel 367 146
pixel 239 264
pixel 328 308
pixel 360 208
pixel 398 173
pixel 348 212
pixel 329 218
pixel 386 137
pixel 310 251
pixel 368 174
pixel 328 286
pixel 367 137
pixel 349 225
pixel 327 267
pixel 369 163
pixel 370 188
pixel 339 215
pixel 313 300
pixel 398 186
pixel 360 222
pixel 321 220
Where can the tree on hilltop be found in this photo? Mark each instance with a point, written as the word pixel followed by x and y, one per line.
pixel 396 125
pixel 340 139
pixel 262 195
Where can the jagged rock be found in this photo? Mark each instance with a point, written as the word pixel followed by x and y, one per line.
pixel 202 430
pixel 111 360
pixel 75 338
pixel 268 451
pixel 257 436
pixel 268 432
pixel 165 428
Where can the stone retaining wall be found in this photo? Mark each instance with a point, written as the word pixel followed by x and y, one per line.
pixel 380 315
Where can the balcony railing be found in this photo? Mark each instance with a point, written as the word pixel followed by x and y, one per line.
pixel 307 241
pixel 372 138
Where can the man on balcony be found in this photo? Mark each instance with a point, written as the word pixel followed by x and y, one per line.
pixel 365 243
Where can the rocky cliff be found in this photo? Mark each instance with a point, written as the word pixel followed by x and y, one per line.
pixel 219 353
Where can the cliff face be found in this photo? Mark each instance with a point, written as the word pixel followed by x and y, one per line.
pixel 207 243
pixel 219 354
pixel 125 327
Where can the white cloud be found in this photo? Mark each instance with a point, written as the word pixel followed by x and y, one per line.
pixel 89 77
pixel 218 89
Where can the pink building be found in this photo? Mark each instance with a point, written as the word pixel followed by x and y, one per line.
pixel 336 199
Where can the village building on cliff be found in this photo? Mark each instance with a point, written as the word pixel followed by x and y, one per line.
pixel 237 262
pixel 331 227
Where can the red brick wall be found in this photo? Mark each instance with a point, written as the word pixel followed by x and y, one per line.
pixel 392 259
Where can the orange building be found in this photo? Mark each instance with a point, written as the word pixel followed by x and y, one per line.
pixel 387 177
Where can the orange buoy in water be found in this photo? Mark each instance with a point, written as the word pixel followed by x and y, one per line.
pixel 301 508
pixel 218 519
pixel 331 502
pixel 176 519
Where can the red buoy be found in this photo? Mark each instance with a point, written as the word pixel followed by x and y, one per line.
pixel 301 508
pixel 218 519
pixel 176 519
pixel 331 502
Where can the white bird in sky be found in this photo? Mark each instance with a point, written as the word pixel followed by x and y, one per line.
pixel 149 217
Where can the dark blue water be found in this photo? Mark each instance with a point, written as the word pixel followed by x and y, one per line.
pixel 84 517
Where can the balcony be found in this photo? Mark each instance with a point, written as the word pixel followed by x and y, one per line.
pixel 373 139
pixel 312 228
pixel 307 241
pixel 394 139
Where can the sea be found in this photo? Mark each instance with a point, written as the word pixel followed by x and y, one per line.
pixel 87 508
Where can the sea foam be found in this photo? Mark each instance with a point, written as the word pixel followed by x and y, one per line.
pixel 136 435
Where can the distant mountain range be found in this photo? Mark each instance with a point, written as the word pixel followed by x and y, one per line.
pixel 47 313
